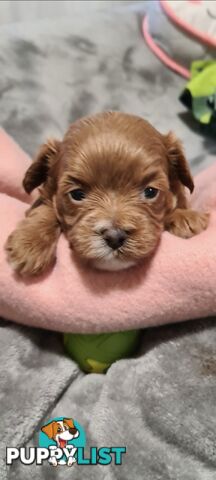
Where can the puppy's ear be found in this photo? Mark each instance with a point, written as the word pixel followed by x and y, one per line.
pixel 178 165
pixel 48 429
pixel 39 170
pixel 69 422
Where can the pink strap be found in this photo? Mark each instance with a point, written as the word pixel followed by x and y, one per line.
pixel 189 29
pixel 163 57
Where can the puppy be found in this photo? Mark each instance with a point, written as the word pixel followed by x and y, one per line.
pixel 61 432
pixel 112 185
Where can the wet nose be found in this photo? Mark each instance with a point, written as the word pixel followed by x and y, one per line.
pixel 115 237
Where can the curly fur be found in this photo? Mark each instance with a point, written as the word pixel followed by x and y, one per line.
pixel 112 157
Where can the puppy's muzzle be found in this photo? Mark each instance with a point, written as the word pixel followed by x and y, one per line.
pixel 114 237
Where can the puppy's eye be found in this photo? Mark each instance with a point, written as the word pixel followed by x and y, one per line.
pixel 77 195
pixel 150 192
pixel 59 429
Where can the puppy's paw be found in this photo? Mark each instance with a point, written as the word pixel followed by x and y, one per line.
pixel 186 223
pixel 71 461
pixel 28 254
pixel 53 461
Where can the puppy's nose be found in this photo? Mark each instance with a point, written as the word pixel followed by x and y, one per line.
pixel 73 430
pixel 115 237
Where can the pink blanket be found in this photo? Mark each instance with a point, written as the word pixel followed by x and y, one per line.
pixel 178 284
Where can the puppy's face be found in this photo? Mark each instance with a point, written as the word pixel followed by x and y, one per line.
pixel 113 188
pixel 61 431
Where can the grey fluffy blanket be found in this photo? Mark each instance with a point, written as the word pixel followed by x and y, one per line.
pixel 161 404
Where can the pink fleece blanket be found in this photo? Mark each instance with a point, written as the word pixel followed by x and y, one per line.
pixel 178 284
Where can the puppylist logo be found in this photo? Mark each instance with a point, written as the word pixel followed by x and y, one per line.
pixel 62 441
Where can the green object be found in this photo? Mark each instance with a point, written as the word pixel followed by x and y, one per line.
pixel 200 92
pixel 95 353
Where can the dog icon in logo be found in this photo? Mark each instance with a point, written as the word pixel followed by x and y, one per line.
pixel 61 432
